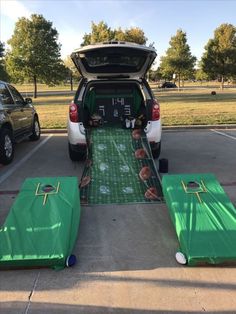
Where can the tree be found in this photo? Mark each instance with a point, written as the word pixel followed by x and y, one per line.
pixel 178 59
pixel 72 71
pixel 3 73
pixel 135 35
pixel 219 58
pixel 35 53
pixel 101 32
pixel 119 34
pixel 154 75
pixel 200 75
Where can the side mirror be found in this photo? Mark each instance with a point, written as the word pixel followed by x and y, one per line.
pixel 28 100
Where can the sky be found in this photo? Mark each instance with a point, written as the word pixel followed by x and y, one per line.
pixel 159 19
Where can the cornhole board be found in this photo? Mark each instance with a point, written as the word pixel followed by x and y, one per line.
pixel 203 216
pixel 41 227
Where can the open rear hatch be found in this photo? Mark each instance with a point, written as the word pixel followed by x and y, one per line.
pixel 113 60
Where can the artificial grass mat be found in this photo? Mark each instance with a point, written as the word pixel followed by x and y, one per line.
pixel 114 172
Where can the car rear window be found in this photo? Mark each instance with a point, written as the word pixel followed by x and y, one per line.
pixel 107 60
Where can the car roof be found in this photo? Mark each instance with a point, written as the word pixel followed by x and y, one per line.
pixel 115 43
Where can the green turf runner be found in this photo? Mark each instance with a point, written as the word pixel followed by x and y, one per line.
pixel 114 170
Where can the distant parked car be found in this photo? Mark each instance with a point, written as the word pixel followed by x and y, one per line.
pixel 18 120
pixel 168 85
pixel 113 91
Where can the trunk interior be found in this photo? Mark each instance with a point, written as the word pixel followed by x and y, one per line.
pixel 118 104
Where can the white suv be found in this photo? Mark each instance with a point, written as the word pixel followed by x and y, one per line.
pixel 113 91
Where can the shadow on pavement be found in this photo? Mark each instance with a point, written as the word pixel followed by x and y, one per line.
pixel 38 308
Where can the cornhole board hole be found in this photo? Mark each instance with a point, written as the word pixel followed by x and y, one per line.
pixel 203 217
pixel 41 227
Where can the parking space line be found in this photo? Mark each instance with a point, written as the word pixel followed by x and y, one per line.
pixel 224 134
pixel 20 162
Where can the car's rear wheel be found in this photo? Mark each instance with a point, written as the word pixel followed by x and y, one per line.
pixel 35 130
pixel 76 155
pixel 6 146
pixel 156 150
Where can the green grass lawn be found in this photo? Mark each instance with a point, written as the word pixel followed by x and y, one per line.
pixel 192 107
pixel 52 110
pixel 197 107
pixel 29 88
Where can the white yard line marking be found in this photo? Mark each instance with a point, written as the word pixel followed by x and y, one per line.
pixel 20 162
pixel 224 134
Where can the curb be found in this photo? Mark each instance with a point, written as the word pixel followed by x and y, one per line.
pixel 167 128
pixel 57 131
pixel 200 127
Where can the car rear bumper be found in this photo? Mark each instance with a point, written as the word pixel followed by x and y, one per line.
pixel 76 132
pixel 79 148
pixel 153 131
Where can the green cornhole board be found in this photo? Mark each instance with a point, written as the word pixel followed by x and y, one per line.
pixel 203 217
pixel 41 227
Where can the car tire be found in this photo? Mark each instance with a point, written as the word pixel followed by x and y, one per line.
pixel 6 146
pixel 76 155
pixel 156 151
pixel 35 130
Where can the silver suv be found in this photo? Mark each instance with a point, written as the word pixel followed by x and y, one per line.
pixel 113 91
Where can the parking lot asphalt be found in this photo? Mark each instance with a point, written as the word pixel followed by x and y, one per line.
pixel 125 253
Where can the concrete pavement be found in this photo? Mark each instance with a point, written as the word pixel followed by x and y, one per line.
pixel 125 253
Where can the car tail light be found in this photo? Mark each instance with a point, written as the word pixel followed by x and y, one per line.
pixel 155 110
pixel 73 111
